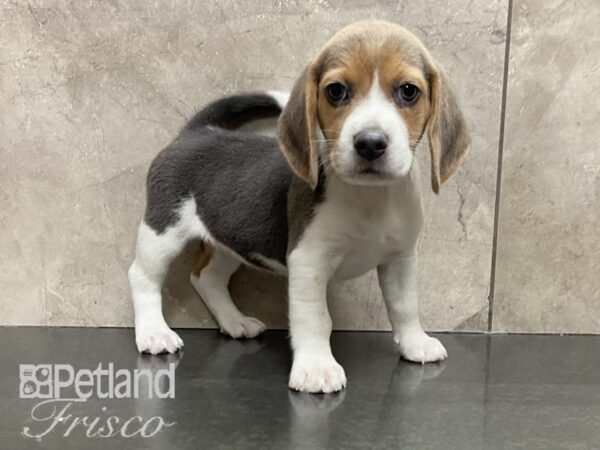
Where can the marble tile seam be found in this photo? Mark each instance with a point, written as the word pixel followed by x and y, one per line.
pixel 490 319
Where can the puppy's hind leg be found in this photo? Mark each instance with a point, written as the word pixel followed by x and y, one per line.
pixel 154 253
pixel 210 278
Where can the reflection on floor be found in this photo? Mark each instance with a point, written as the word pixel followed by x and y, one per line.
pixel 494 391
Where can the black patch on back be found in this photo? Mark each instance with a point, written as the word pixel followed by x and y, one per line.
pixel 231 112
pixel 239 181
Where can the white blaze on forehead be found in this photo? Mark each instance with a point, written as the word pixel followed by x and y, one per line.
pixel 377 110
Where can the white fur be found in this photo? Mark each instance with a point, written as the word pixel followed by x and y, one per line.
pixel 274 266
pixel 374 111
pixel 398 282
pixel 212 284
pixel 154 253
pixel 356 229
pixel 281 97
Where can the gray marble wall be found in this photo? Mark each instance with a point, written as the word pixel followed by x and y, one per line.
pixel 92 91
pixel 548 253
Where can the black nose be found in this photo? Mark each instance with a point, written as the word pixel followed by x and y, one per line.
pixel 370 144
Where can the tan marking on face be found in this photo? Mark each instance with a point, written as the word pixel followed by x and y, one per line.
pixel 394 70
pixel 354 58
pixel 355 72
pixel 203 260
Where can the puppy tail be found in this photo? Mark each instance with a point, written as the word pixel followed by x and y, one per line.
pixel 232 112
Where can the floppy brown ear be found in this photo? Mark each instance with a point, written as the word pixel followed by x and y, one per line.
pixel 447 131
pixel 297 127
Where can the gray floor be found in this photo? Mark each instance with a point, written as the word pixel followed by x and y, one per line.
pixel 495 391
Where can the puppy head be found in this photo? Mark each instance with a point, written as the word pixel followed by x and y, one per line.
pixel 364 103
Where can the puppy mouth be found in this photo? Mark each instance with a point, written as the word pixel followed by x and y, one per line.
pixel 369 171
pixel 373 175
pixel 362 172
pixel 377 171
pixel 369 176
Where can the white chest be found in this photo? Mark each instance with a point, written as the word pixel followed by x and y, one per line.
pixel 360 228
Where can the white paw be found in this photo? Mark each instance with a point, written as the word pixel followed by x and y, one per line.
pixel 242 327
pixel 417 346
pixel 156 337
pixel 317 374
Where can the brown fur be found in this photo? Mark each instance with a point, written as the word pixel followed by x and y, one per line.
pixel 352 56
pixel 448 134
pixel 296 128
pixel 203 259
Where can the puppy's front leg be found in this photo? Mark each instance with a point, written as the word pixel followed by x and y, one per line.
pixel 314 368
pixel 398 282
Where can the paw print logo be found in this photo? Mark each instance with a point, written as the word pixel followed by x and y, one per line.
pixel 35 381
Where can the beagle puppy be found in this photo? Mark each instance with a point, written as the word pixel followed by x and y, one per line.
pixel 334 196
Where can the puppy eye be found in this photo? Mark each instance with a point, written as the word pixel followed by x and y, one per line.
pixel 337 93
pixel 407 94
